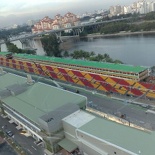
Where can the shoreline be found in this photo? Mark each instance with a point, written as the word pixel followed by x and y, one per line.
pixel 117 34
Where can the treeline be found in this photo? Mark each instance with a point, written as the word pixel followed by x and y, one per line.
pixel 90 56
pixel 129 25
pixel 150 16
pixel 121 26
pixel 14 49
pixel 5 34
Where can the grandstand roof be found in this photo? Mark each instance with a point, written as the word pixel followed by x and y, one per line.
pixel 102 65
pixel 38 99
pixel 110 66
pixel 126 137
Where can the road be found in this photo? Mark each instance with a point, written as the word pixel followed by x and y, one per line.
pixel 26 142
pixel 136 114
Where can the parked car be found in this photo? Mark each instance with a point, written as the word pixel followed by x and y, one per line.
pixel 9 133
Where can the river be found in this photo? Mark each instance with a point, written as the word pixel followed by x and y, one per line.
pixel 134 50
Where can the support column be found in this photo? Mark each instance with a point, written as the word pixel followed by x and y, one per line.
pixel 58 35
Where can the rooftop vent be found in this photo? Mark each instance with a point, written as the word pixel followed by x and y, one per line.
pixel 29 80
pixel 1 71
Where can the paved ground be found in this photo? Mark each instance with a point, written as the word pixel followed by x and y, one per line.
pixel 26 142
pixel 5 149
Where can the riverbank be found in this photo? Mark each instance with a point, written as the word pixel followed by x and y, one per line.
pixel 118 34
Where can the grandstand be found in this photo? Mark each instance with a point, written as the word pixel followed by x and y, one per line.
pixel 106 77
pixel 136 73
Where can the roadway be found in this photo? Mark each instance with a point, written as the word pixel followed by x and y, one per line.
pixel 133 108
pixel 27 143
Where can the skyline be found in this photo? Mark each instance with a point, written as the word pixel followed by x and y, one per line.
pixel 19 11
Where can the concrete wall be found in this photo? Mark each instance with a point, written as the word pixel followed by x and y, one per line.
pixel 92 145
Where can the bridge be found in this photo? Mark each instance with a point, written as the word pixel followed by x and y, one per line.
pixel 76 30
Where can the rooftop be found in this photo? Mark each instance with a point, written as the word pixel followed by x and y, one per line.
pixel 38 99
pixel 131 139
pixel 102 65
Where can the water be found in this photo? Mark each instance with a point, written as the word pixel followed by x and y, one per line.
pixel 36 45
pixel 5 149
pixel 135 50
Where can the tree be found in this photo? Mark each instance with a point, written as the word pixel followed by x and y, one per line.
pixel 12 48
pixel 66 54
pixel 51 45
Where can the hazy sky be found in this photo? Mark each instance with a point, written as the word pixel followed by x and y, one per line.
pixel 19 10
pixel 27 6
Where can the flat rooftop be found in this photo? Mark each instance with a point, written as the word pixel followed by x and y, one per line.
pixel 93 64
pixel 38 99
pixel 131 139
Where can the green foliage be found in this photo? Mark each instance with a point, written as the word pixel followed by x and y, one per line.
pixel 51 45
pixel 148 26
pixel 114 27
pixel 66 54
pixel 92 57
pixel 14 49
pixel 150 16
pixel 5 34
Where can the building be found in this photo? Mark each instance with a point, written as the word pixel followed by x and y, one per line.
pixel 58 118
pixel 46 24
pixel 115 10
pixel 31 22
pixel 37 108
pixel 99 136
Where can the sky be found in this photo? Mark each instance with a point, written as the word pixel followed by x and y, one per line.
pixel 16 11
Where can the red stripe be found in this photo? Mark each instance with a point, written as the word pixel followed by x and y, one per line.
pixel 21 65
pixel 115 79
pixel 39 69
pixel 83 79
pixel 7 62
pixel 51 72
pixel 29 65
pixel 124 83
pixel 14 63
pixel 97 77
pixel 136 92
pixel 146 85
pixel 64 73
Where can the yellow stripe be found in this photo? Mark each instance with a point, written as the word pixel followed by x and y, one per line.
pixel 17 64
pixel 130 93
pixel 141 87
pixel 10 63
pixel 151 94
pixel 4 62
pixel 110 81
pixel 130 82
pixel 80 83
pixel 25 66
pixel 71 74
pixel 122 90
pixel 90 79
pixel 102 88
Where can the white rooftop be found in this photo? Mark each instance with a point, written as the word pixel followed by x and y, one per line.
pixel 78 118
